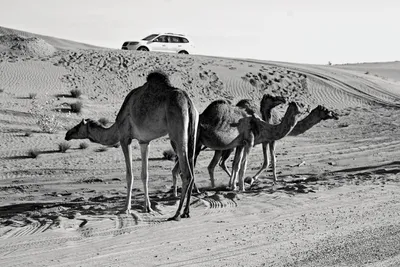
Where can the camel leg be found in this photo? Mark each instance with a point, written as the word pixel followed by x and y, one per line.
pixel 186 158
pixel 186 182
pixel 175 174
pixel 127 150
pixel 265 163
pixel 222 163
pixel 273 159
pixel 144 150
pixel 196 154
pixel 192 163
pixel 188 196
pixel 235 167
pixel 243 166
pixel 211 166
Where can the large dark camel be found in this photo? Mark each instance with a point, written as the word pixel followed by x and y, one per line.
pixel 149 112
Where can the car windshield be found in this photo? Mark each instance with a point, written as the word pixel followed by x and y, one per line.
pixel 150 37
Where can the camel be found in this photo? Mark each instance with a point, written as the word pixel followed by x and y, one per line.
pixel 253 131
pixel 223 126
pixel 268 102
pixel 317 115
pixel 149 112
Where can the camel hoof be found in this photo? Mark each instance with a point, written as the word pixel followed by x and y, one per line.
pixel 249 180
pixel 175 218
pixel 185 215
pixel 148 210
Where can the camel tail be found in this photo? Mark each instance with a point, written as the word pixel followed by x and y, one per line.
pixel 192 134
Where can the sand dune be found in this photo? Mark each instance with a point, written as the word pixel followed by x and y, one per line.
pixel 338 200
pixel 54 41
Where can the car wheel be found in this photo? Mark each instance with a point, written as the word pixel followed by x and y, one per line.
pixel 143 48
pixel 183 52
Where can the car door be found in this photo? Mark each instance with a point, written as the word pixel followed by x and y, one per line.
pixel 159 44
pixel 173 44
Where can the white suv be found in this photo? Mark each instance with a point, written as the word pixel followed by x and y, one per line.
pixel 165 42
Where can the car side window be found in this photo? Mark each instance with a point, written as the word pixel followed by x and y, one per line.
pixel 173 39
pixel 161 39
pixel 183 40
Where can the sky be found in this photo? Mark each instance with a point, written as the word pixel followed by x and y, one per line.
pixel 303 31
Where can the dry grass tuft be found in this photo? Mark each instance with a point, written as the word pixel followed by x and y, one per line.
pixel 169 155
pixel 83 145
pixel 33 153
pixel 76 107
pixel 32 95
pixel 63 147
pixel 76 93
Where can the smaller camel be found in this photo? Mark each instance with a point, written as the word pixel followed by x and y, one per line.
pixel 253 131
pixel 149 112
pixel 268 102
pixel 317 115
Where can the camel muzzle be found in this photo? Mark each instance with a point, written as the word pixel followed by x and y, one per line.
pixel 67 137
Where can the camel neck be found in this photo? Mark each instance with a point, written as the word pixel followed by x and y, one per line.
pixel 267 114
pixel 275 132
pixel 305 124
pixel 101 135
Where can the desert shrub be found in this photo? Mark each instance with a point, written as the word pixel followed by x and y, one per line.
pixel 46 121
pixel 1 90
pixel 102 149
pixel 32 95
pixel 367 72
pixel 75 93
pixel 83 145
pixel 104 121
pixel 169 154
pixel 28 134
pixel 33 153
pixel 76 107
pixel 63 147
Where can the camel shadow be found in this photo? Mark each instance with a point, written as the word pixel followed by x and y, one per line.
pixel 99 205
pixel 387 168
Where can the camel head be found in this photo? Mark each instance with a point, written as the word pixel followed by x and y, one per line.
pixel 271 101
pixel 79 131
pixel 248 105
pixel 326 114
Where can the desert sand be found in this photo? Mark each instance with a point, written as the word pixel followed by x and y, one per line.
pixel 338 203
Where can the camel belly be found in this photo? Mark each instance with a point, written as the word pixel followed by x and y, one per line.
pixel 220 140
pixel 147 131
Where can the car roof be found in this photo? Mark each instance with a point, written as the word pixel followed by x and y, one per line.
pixel 171 33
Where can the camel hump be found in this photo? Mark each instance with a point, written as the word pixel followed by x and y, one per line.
pixel 158 77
